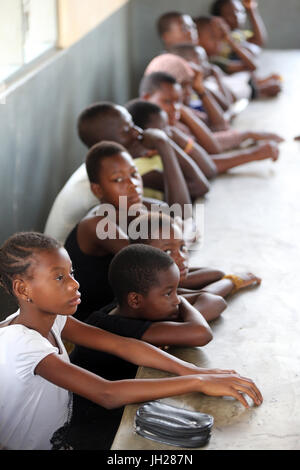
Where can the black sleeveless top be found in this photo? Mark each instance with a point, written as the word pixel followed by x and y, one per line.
pixel 92 274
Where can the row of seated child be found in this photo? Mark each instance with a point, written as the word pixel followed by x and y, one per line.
pixel 123 300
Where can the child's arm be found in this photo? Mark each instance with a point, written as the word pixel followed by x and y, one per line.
pixel 214 112
pixel 218 74
pixel 245 55
pixel 92 239
pixel 114 394
pixel 262 151
pixel 200 277
pixel 196 152
pixel 197 182
pixel 188 329
pixel 234 138
pixel 259 30
pixel 199 129
pixel 118 393
pixel 175 187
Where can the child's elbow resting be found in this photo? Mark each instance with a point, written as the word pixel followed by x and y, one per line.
pixel 202 336
pixel 199 190
pixel 108 398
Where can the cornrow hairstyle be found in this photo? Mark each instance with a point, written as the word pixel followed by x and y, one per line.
pixel 135 269
pixel 152 82
pixel 88 120
pixel 141 111
pixel 216 8
pixel 97 153
pixel 165 21
pixel 17 253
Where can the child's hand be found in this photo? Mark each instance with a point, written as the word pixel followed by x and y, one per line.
pixel 151 138
pixel 249 4
pixel 221 28
pixel 266 136
pixel 198 84
pixel 268 150
pixel 232 385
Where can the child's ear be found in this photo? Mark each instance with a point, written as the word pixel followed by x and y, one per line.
pixel 96 190
pixel 134 300
pixel 145 96
pixel 20 289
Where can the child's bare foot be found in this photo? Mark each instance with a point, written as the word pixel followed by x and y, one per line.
pixel 243 280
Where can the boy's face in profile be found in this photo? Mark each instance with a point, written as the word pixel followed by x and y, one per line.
pixel 124 131
pixel 209 40
pixel 161 302
pixel 182 31
pixel 168 97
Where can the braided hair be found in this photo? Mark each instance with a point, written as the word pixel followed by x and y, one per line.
pixel 17 253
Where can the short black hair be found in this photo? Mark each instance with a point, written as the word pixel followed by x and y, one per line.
pixel 89 117
pixel 97 153
pixel 201 21
pixel 152 82
pixel 141 111
pixel 216 7
pixel 135 269
pixel 17 255
pixel 164 21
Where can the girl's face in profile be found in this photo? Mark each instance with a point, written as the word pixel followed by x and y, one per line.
pixel 175 247
pixel 50 283
pixel 119 177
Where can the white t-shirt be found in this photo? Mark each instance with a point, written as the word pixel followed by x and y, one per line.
pixel 31 408
pixel 72 203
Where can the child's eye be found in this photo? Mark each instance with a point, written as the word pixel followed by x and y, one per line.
pixel 118 180
pixel 167 294
pixel 59 278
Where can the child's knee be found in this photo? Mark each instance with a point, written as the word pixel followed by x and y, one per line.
pixel 221 303
pixel 214 303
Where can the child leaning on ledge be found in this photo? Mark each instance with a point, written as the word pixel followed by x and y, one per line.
pixel 36 373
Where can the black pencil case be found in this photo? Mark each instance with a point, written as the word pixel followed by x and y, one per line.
pixel 171 425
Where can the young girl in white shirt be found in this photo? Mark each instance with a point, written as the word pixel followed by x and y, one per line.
pixel 37 379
